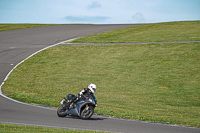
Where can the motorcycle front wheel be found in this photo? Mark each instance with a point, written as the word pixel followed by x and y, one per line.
pixel 61 112
pixel 87 112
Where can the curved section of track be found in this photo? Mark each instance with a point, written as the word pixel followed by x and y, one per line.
pixel 17 45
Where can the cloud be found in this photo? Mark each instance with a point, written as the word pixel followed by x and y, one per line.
pixel 94 5
pixel 98 11
pixel 138 18
pixel 86 19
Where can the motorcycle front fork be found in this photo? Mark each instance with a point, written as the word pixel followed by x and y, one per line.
pixel 68 105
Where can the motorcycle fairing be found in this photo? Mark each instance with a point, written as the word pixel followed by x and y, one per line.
pixel 78 105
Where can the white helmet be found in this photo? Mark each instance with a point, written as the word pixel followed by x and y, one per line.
pixel 92 87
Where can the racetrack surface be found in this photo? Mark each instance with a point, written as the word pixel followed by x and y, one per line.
pixel 17 45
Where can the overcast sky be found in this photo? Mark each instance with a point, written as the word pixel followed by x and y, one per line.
pixel 98 11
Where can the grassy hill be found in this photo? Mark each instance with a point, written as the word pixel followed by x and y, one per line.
pixel 154 82
pixel 171 31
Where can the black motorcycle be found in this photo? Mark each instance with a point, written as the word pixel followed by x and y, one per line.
pixel 82 107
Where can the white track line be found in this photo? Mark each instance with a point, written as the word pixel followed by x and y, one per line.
pixel 1 93
pixel 60 43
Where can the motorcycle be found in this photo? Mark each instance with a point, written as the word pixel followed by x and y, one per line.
pixel 82 107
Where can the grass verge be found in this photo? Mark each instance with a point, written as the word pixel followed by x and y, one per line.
pixel 153 82
pixel 6 27
pixel 160 32
pixel 7 128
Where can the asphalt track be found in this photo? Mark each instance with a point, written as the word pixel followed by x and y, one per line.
pixel 17 45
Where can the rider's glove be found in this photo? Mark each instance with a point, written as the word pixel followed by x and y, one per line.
pixel 95 105
pixel 78 96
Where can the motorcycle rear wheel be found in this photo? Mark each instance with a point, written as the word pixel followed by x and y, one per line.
pixel 61 112
pixel 87 113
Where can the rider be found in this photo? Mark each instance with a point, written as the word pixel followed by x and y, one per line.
pixel 86 91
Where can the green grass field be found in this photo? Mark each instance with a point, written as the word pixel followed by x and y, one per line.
pixel 7 128
pixel 153 82
pixel 159 32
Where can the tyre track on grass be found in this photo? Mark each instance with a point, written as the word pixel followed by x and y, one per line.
pixel 126 43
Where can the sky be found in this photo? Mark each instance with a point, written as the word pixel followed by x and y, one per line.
pixel 98 11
